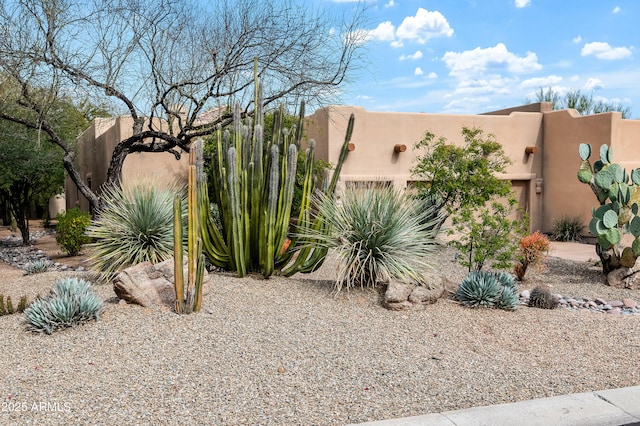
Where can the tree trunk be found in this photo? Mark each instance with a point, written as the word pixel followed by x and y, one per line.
pixel 610 261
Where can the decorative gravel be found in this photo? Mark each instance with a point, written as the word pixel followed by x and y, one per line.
pixel 286 351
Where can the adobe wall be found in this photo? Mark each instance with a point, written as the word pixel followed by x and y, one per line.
pixel 564 130
pixel 95 147
pixel 376 133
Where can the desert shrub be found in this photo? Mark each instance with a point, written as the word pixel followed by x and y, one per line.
pixel 71 230
pixel 488 289
pixel 71 302
pixel 37 267
pixel 134 225
pixel 567 229
pixel 377 234
pixel 532 251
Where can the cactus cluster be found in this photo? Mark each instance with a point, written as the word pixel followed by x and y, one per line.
pixel 7 309
pixel 72 301
pixel 618 195
pixel 189 297
pixel 488 289
pixel 37 267
pixel 253 186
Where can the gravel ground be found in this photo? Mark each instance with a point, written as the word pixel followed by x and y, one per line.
pixel 286 351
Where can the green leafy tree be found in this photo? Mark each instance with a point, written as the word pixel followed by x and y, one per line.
pixel 585 104
pixel 461 181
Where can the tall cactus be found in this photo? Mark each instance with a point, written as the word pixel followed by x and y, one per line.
pixel 189 296
pixel 618 194
pixel 253 185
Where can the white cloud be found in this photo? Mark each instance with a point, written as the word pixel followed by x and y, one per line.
pixel 577 39
pixel 424 26
pixel 522 3
pixel 493 60
pixel 541 82
pixel 432 75
pixel 415 56
pixel 391 3
pixel 615 9
pixel 383 32
pixel 418 71
pixel 593 84
pixel 603 50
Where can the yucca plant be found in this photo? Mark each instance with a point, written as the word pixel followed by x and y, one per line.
pixel 134 225
pixel 377 233
pixel 567 228
pixel 488 289
pixel 37 267
pixel 72 301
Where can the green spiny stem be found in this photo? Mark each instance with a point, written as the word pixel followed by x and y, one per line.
pixel 177 258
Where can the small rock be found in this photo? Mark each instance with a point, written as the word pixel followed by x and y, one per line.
pixel 80 269
pixel 614 311
pixel 599 301
pixel 122 302
pixel 525 294
pixel 281 370
pixel 629 303
pixel 606 307
pixel 616 304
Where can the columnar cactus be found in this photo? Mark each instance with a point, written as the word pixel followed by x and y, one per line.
pixel 253 186
pixel 189 297
pixel 618 194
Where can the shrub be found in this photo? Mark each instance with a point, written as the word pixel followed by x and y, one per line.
pixel 37 267
pixel 567 229
pixel 71 302
pixel 133 226
pixel 378 234
pixel 532 251
pixel 70 230
pixel 488 289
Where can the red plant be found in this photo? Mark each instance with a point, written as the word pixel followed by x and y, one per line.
pixel 532 251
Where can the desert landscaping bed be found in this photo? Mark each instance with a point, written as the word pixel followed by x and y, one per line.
pixel 286 351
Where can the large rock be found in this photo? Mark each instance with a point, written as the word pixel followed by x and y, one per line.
pixel 625 277
pixel 402 296
pixel 147 284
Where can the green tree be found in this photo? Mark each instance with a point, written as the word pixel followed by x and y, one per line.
pixel 585 104
pixel 462 182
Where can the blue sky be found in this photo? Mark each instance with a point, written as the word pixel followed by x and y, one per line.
pixel 473 56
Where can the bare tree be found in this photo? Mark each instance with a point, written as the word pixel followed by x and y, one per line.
pixel 167 61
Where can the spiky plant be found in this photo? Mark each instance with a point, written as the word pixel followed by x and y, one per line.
pixel 134 225
pixel 479 289
pixel 72 301
pixel 542 297
pixel 489 289
pixel 3 311
pixel 567 228
pixel 37 267
pixel 377 234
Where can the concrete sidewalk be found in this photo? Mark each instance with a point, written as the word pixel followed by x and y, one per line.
pixel 614 407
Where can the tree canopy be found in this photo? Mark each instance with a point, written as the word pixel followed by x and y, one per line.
pixel 167 64
pixel 585 104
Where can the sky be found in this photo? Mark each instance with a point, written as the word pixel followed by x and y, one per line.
pixel 474 56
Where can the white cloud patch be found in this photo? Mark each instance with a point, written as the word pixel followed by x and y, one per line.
pixel 577 39
pixel 593 84
pixel 391 3
pixel 424 26
pixel 492 60
pixel 415 56
pixel 432 75
pixel 541 82
pixel 383 32
pixel 522 3
pixel 603 50
pixel 616 9
pixel 418 71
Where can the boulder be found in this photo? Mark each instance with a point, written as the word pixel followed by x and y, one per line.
pixel 402 296
pixel 625 277
pixel 147 284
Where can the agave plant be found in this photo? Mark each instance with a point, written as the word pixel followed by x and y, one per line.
pixel 37 267
pixel 134 225
pixel 71 302
pixel 377 234
pixel 488 289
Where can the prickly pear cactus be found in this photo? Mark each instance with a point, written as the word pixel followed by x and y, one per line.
pixel 618 194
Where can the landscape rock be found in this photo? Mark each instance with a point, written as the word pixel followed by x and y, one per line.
pixel 146 284
pixel 397 292
pixel 629 303
pixel 426 296
pixel 625 277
